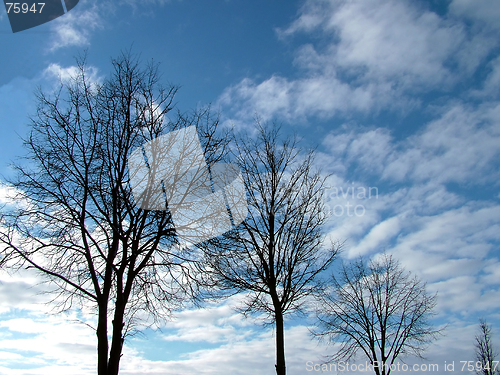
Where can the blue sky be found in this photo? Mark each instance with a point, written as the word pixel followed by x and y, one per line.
pixel 401 96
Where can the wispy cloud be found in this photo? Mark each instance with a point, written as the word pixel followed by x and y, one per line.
pixel 58 73
pixel 373 55
pixel 459 145
pixel 76 26
pixel 436 206
pixel 487 13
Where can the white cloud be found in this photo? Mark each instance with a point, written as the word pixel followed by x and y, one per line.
pixel 63 74
pixel 75 27
pixel 50 352
pixel 55 75
pixel 23 325
pixel 487 13
pixel 374 55
pixel 278 96
pixel 378 55
pixel 377 237
pixel 49 345
pixel 492 82
pixel 216 323
pixel 369 149
pixel 7 193
pixel 461 145
pixel 390 39
pixel 447 236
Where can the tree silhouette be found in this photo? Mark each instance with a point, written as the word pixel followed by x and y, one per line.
pixel 73 217
pixel 377 309
pixel 485 352
pixel 277 253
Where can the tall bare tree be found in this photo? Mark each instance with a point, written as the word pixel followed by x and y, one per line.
pixel 277 253
pixel 485 352
pixel 74 218
pixel 377 309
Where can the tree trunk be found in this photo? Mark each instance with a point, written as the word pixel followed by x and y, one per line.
pixel 117 339
pixel 280 344
pixel 102 338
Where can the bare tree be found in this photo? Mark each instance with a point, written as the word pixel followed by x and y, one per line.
pixel 485 352
pixel 376 309
pixel 74 218
pixel 276 254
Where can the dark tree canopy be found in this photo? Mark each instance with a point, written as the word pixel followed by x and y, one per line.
pixel 74 218
pixel 277 254
pixel 485 352
pixel 376 309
